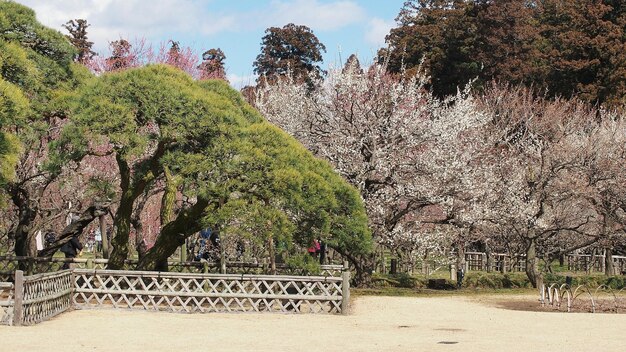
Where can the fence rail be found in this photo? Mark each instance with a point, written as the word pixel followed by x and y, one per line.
pixel 8 265
pixel 45 296
pixel 589 262
pixel 479 261
pixel 33 299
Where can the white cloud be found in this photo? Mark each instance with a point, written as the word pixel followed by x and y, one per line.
pixel 377 30
pixel 112 19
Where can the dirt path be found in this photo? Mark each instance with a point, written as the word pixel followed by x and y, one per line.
pixel 375 324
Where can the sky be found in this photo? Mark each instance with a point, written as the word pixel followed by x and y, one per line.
pixel 236 26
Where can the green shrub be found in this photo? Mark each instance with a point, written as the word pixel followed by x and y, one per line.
pixel 481 279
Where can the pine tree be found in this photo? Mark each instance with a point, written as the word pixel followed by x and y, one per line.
pixel 78 38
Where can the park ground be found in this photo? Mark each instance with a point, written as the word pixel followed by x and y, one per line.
pixel 375 323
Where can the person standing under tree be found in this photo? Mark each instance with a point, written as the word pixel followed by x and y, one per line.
pixel 71 249
pixel 98 239
pixel 460 273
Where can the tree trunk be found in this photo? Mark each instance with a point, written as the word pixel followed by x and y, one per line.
pixel 363 265
pixel 105 237
pixel 272 255
pixel 168 201
pixel 75 228
pixel 609 265
pixel 130 193
pixel 119 242
pixel 173 235
pixel 27 212
pixel 532 263
pixel 122 220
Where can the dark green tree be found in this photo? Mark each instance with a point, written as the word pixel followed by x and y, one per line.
pixel 292 50
pixel 566 48
pixel 439 37
pixel 78 38
pixel 585 48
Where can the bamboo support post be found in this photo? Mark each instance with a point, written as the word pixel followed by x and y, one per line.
pixel 183 252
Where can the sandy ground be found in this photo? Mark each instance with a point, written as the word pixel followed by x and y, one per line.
pixel 452 323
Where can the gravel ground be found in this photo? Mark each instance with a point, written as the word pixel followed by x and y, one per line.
pixel 454 323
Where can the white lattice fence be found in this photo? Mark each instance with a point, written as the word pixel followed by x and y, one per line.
pixel 45 296
pixel 6 303
pixel 178 292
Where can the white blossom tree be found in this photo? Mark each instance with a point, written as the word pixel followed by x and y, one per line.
pixel 389 137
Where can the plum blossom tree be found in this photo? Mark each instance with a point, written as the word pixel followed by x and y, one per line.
pixel 212 66
pixel 125 55
pixel 387 136
pixel 539 192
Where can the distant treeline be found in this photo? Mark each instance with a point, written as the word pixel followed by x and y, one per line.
pixel 561 47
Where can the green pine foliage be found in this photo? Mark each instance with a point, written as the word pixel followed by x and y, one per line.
pixel 252 179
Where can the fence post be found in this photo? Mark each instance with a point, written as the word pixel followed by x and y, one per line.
pixel 18 298
pixel 345 288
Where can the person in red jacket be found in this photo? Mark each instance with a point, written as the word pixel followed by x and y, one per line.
pixel 314 249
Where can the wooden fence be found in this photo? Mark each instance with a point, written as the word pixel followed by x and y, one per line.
pixel 33 299
pixel 477 261
pixel 182 292
pixel 597 263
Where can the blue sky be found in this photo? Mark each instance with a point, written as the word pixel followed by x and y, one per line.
pixel 235 26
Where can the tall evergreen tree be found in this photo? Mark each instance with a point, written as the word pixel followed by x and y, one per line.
pixel 585 47
pixel 78 38
pixel 293 50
